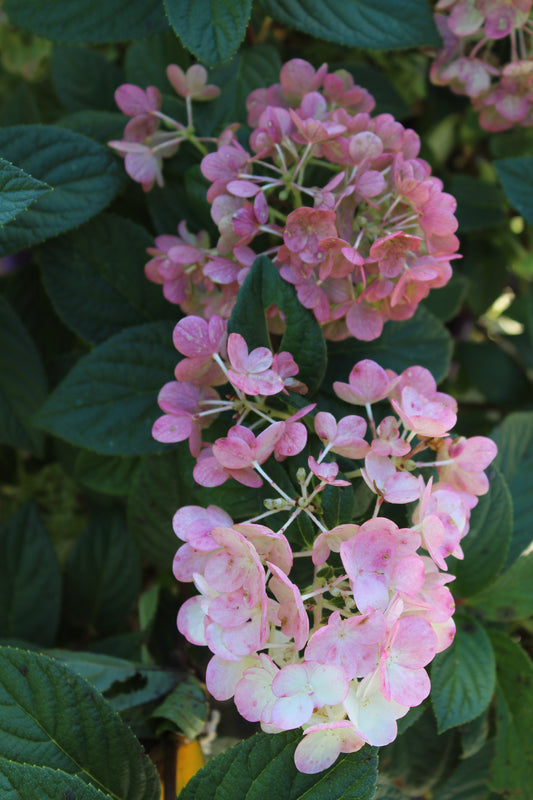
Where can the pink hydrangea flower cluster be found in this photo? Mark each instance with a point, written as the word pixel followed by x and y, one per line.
pixel 339 199
pixel 487 55
pixel 344 655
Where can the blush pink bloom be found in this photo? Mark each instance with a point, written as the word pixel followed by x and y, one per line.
pixel 394 486
pixel 373 717
pixel 192 83
pixel 345 438
pixel 323 743
pixel 250 372
pixel 368 383
pixel 194 524
pixel 470 457
pixel 292 616
pixel 331 540
pixel 182 403
pixel 301 688
pixel 351 644
pixel 411 645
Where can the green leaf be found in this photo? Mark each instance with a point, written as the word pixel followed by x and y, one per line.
pixel 263 767
pixel 480 361
pixel 470 780
pixel 185 708
pixel 102 126
pixel 22 385
pixel 421 340
pixel 514 438
pixel 103 576
pixel 511 596
pixel 70 67
pixel 302 338
pixel 369 24
pixel 108 402
pixel 95 278
pixel 30 579
pixel 26 782
pixel 516 176
pixel 107 474
pixel 51 717
pixel 480 204
pixel 84 175
pixel 474 734
pixel 445 303
pixel 88 20
pixel 388 99
pixel 463 676
pixel 486 545
pixel 147 60
pixel 512 768
pixel 18 190
pixel 211 29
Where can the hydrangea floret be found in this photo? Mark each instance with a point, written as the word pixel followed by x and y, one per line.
pixel 342 652
pixel 487 55
pixel 338 198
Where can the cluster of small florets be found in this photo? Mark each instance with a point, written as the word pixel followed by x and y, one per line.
pixel 340 200
pixel 487 56
pixel 344 655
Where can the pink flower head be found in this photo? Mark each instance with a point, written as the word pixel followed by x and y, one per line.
pixel 241 448
pixel 200 340
pixel 372 716
pixel 352 644
pixel 346 437
pixel 411 645
pixel 250 372
pixel 368 559
pixel 194 524
pixel 368 383
pixel 323 743
pixel 270 546
pixel 421 408
pixel 192 83
pixel 291 613
pixel 328 541
pixel 470 457
pixel 326 472
pixel 132 100
pixel 182 403
pixel 395 486
pixel 303 231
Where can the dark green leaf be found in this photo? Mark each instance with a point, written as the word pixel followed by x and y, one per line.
pixel 480 204
pixel 516 175
pixel 487 542
pixel 102 126
pixel 106 474
pixel 481 361
pixel 26 782
pixel 30 579
pixel 474 734
pixel 18 190
pixel 463 676
pixel 511 596
pixel 512 768
pixel 211 29
pixel 147 60
pixel 95 278
pixel 185 708
pixel 470 780
pixel 338 505
pixel 382 25
pixel 22 382
pixel 108 402
pixel 303 338
pixel 263 767
pixel 88 20
pixel 70 67
pixel 514 438
pixel 84 175
pixel 52 717
pixel 445 303
pixel 388 100
pixel 103 576
pixel 421 340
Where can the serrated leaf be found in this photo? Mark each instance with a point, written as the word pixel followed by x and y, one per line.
pixel 88 20
pixel 103 576
pixel 102 126
pixel 445 303
pixel 516 176
pixel 421 340
pixel 95 278
pixel 26 782
pixel 370 24
pixel 107 474
pixel 512 768
pixel 480 204
pixel 263 766
pixel 463 676
pixel 18 190
pixel 302 338
pixel 30 579
pixel 84 176
pixel 511 596
pixel 211 29
pixel 108 402
pixel 22 383
pixel 51 717
pixel 70 66
pixel 185 708
pixel 469 781
pixel 514 438
pixel 487 542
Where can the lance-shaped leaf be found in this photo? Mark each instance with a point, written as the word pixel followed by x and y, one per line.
pixel 374 24
pixel 263 766
pixel 26 782
pixel 18 190
pixel 108 402
pixel 463 676
pixel 84 175
pixel 303 338
pixel 51 717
